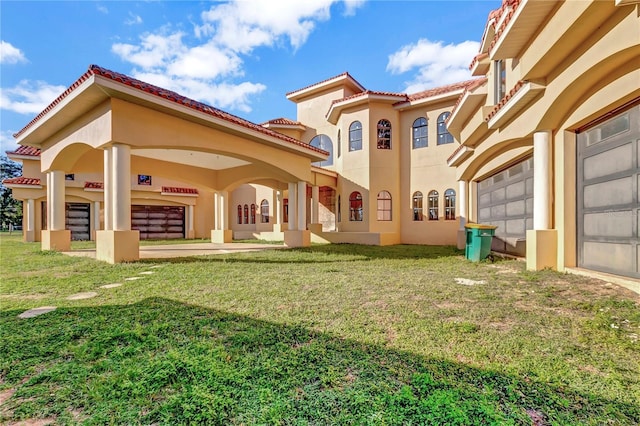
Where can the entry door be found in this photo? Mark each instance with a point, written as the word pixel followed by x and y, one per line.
pixel 77 220
pixel 608 194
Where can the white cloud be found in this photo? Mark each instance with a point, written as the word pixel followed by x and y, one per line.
pixel 29 97
pixel 133 19
pixel 7 142
pixel 102 9
pixel 10 54
pixel 437 64
pixel 228 31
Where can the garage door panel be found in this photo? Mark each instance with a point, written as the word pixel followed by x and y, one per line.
pixel 609 256
pixel 77 220
pixel 158 222
pixel 515 227
pixel 609 162
pixel 609 224
pixel 516 190
pixel 613 192
pixel 516 208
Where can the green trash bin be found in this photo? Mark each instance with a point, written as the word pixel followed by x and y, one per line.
pixel 478 241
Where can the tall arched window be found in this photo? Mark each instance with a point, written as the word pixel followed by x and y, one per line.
pixel 443 134
pixel 384 134
pixel 324 143
pixel 264 211
pixel 246 214
pixel 355 136
pixel 420 137
pixel 433 205
pixel 339 144
pixel 239 214
pixel 417 206
pixel 252 219
pixel 355 207
pixel 449 204
pixel 384 205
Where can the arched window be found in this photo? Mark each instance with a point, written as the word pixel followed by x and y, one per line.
pixel 420 139
pixel 417 206
pixel 252 219
pixel 264 211
pixel 443 134
pixel 339 144
pixel 449 204
pixel 355 207
pixel 239 214
pixel 355 136
pixel 384 205
pixel 324 143
pixel 384 134
pixel 246 214
pixel 433 205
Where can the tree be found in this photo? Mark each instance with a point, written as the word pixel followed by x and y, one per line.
pixel 10 209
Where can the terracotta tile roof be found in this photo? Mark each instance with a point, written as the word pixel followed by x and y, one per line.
pixel 512 5
pixel 169 95
pixel 442 89
pixel 504 100
pixel 475 83
pixel 370 92
pixel 26 151
pixel 176 190
pixel 457 150
pixel 478 57
pixel 282 121
pixel 93 185
pixel 320 83
pixel 21 180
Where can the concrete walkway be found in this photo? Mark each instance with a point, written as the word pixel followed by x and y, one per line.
pixel 165 251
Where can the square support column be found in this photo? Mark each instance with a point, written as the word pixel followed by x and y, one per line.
pixel 56 238
pixel 221 234
pixel 463 200
pixel 298 235
pixel 117 243
pixel 30 220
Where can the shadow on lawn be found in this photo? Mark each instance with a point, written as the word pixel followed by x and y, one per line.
pixel 160 361
pixel 351 253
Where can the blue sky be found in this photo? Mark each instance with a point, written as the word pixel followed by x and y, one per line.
pixel 241 56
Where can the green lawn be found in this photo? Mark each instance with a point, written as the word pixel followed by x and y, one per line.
pixel 336 334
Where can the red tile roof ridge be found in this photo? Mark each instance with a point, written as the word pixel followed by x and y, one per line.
pixel 178 190
pixel 455 152
pixel 477 58
pixel 21 180
pixel 513 6
pixel 26 151
pixel 282 120
pixel 443 89
pixel 344 74
pixel 93 185
pixel 169 95
pixel 505 99
pixel 369 92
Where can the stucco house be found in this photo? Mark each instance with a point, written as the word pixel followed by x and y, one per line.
pixel 544 142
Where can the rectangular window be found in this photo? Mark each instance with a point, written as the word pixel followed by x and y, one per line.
pixel 500 80
pixel 70 176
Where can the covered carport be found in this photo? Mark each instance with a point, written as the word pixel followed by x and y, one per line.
pixel 106 122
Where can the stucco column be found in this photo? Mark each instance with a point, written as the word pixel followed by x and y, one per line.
pixel 302 205
pixel 216 211
pixel 541 179
pixel 117 242
pixel 463 200
pixel 121 190
pixel 542 242
pixel 221 233
pixel 278 207
pixel 315 204
pixel 107 188
pixel 189 231
pixel 293 207
pixel 29 234
pixel 96 218
pixel 56 237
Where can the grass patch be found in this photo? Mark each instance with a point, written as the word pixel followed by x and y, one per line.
pixel 331 334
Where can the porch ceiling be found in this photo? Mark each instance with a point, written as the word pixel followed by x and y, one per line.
pixel 191 158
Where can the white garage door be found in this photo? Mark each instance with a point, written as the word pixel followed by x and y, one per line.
pixel 505 200
pixel 608 194
pixel 158 222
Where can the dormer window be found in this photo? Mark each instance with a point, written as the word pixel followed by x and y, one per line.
pixel 500 80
